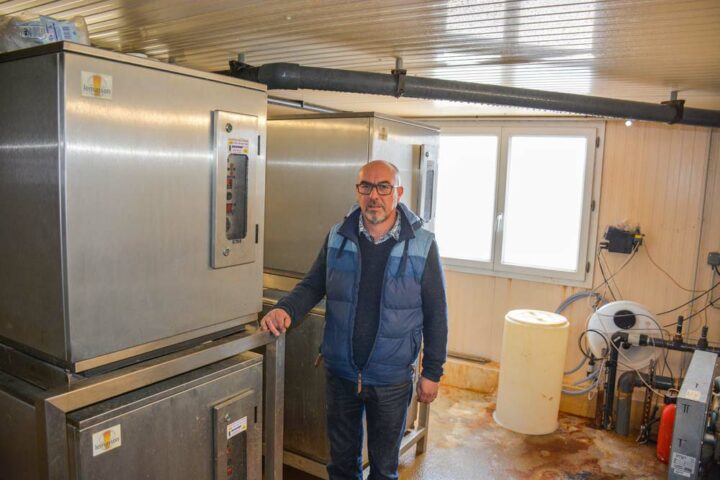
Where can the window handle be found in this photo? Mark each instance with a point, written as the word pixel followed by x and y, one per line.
pixel 499 223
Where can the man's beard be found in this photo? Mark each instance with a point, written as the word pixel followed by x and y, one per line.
pixel 376 217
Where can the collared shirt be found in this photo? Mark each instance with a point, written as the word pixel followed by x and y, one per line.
pixel 394 232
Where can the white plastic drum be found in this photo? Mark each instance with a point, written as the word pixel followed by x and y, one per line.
pixel 531 371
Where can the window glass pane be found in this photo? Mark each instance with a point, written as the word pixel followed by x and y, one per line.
pixel 466 196
pixel 543 202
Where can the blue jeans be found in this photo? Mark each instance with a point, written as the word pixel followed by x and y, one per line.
pixel 386 410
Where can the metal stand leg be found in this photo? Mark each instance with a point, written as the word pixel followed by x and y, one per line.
pixel 423 424
pixel 274 408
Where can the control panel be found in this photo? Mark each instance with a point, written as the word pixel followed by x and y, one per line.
pixel 235 229
pixel 237 433
pixel 427 185
pixel 237 197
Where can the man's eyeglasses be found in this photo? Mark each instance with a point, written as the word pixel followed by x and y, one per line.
pixel 366 188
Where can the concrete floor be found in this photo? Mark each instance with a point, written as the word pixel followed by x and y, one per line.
pixel 465 443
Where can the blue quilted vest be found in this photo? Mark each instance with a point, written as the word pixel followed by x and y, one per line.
pixel 399 335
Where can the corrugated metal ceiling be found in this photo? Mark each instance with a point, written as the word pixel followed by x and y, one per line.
pixel 631 49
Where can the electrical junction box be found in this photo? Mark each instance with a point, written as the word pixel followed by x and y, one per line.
pixel 622 241
pixel 714 259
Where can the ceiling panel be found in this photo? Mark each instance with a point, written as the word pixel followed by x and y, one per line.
pixel 631 49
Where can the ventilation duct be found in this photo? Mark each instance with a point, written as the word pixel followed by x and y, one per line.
pixel 290 76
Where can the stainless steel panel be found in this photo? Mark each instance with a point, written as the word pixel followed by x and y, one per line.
pixel 30 369
pixel 30 204
pixel 399 142
pixel 312 170
pixel 18 440
pixel 107 213
pixel 235 231
pixel 114 56
pixel 311 174
pixel 161 347
pixel 305 405
pixel 52 406
pixel 138 192
pixel 166 430
pixel 691 417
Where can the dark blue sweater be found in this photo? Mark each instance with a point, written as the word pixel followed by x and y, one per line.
pixel 311 290
pixel 367 314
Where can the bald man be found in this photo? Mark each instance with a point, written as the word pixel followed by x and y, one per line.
pixel 380 271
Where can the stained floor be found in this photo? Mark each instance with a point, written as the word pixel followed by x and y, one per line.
pixel 465 443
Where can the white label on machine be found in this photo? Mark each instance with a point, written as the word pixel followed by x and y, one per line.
pixel 682 464
pixel 106 440
pixel 238 146
pixel 238 426
pixel 96 85
pixel 693 395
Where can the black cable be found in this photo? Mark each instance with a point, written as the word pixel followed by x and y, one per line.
pixel 665 360
pixel 606 282
pixel 709 304
pixel 632 255
pixel 612 275
pixel 582 335
pixel 689 301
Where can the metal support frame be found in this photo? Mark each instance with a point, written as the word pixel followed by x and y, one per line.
pixel 301 105
pixel 417 437
pixel 422 428
pixel 617 340
pixel 57 403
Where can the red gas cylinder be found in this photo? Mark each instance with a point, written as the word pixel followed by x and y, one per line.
pixel 665 432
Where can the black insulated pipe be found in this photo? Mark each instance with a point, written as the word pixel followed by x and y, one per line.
pixel 673 345
pixel 291 76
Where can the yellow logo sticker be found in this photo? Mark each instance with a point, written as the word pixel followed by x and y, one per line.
pixel 106 440
pixel 96 85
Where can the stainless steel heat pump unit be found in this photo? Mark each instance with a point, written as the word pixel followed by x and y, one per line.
pixel 131 231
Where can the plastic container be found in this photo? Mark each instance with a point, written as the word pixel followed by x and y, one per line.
pixel 531 371
pixel 24 31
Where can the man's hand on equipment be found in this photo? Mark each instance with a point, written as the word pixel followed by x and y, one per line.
pixel 427 390
pixel 277 321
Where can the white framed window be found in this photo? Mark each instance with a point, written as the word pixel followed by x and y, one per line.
pixel 517 199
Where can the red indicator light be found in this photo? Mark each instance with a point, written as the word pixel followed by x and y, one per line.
pixel 229 208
